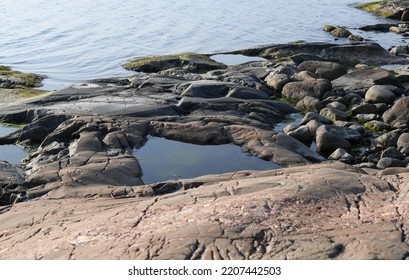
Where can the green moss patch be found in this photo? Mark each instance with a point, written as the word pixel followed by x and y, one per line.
pixel 376 8
pixel 27 79
pixel 30 92
pixel 135 64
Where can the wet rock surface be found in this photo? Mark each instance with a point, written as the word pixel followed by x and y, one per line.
pixel 82 140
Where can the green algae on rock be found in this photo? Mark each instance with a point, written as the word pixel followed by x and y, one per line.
pixel 377 7
pixel 17 78
pixel 19 83
pixel 191 62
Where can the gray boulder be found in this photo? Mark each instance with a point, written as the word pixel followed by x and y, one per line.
pixel 337 105
pixel 403 143
pixel 392 152
pixel 361 80
pixel 341 32
pixel 389 139
pixel 310 103
pixel 376 125
pixel 314 116
pixel 299 90
pixel 277 81
pixel 365 108
pixel 366 117
pixel 343 132
pixel 302 134
pixel 342 156
pixel 387 162
pixel 324 69
pixel 380 94
pixel 334 114
pixel 399 113
pixel 327 142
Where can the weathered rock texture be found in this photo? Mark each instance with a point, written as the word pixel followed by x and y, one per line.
pixel 243 215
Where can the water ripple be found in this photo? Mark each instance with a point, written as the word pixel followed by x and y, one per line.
pixel 71 41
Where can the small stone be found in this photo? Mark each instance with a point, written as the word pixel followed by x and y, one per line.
pixel 337 105
pixel 313 125
pixel 314 116
pixel 341 32
pixel 399 50
pixel 355 38
pixel 309 103
pixel 328 28
pixel 366 117
pixel 277 81
pixel 302 134
pixel 376 125
pixel 342 156
pixel 290 127
pixel 389 139
pixel 365 108
pixel 334 114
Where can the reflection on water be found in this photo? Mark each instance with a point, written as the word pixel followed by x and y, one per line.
pixel 163 159
pixel 10 153
pixel 6 130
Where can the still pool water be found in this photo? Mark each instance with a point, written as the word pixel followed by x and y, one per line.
pixel 11 153
pixel 6 130
pixel 163 159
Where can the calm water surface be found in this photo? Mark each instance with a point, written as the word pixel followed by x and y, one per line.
pixel 11 153
pixel 163 159
pixel 72 41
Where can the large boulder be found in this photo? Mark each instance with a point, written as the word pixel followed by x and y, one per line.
pixel 301 89
pixel 324 69
pixel 344 132
pixel 277 81
pixel 362 79
pixel 399 113
pixel 327 143
pixel 380 94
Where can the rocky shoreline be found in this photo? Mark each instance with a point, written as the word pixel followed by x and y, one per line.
pixel 341 194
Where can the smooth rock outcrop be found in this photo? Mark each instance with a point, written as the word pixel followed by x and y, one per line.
pixel 243 215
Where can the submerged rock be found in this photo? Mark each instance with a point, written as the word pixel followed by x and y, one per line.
pixel 346 54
